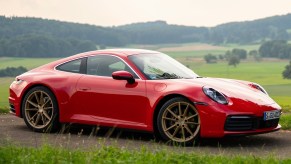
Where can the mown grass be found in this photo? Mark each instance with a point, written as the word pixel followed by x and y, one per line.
pixel 193 54
pixel 4 91
pixel 285 121
pixel 4 110
pixel 110 154
pixel 265 73
pixel 28 63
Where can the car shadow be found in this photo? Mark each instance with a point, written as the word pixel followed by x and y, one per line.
pixel 262 140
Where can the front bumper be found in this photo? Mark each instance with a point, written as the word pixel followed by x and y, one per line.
pixel 216 122
pixel 252 132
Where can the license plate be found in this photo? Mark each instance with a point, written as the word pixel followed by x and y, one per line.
pixel 270 115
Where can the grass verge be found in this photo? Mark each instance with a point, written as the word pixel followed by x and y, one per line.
pixel 285 121
pixel 4 110
pixel 48 154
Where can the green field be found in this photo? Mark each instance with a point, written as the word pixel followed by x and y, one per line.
pixel 5 82
pixel 111 154
pixel 268 73
pixel 29 63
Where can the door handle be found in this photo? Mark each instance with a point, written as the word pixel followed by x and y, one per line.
pixel 85 89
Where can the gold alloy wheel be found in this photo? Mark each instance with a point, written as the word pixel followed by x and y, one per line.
pixel 39 109
pixel 181 122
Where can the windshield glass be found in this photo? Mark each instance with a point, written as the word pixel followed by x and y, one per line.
pixel 161 66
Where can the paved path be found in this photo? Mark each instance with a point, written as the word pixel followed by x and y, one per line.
pixel 13 130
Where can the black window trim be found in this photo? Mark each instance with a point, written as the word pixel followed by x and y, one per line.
pixel 138 77
pixel 81 69
pixel 83 66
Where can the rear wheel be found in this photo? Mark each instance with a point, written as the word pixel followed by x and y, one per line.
pixel 40 110
pixel 178 121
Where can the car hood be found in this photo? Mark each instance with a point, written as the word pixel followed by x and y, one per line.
pixel 233 89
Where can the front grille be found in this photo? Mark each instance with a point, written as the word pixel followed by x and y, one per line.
pixel 12 108
pixel 268 123
pixel 244 123
pixel 239 123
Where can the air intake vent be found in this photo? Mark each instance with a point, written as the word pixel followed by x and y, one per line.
pixel 12 108
pixel 244 123
pixel 239 123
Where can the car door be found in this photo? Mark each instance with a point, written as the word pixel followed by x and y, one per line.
pixel 108 101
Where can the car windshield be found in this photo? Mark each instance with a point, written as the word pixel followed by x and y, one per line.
pixel 161 66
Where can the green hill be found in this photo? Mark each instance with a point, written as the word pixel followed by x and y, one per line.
pixel 36 37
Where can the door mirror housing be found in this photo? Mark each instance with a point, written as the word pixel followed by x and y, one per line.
pixel 123 75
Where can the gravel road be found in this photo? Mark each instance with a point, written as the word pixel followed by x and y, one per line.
pixel 13 130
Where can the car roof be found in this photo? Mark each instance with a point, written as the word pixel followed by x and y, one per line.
pixel 119 52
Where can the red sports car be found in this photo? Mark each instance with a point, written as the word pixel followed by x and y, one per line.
pixel 143 90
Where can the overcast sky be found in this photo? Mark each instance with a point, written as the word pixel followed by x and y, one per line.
pixel 119 12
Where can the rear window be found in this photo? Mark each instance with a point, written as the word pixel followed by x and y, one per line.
pixel 72 66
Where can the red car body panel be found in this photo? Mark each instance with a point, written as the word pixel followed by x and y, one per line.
pixel 97 100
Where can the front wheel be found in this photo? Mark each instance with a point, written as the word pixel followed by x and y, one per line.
pixel 178 121
pixel 40 110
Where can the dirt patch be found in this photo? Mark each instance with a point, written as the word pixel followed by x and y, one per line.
pixel 14 131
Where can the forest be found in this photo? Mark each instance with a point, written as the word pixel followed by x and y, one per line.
pixel 36 37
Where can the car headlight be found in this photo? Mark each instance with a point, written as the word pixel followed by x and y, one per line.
pixel 258 87
pixel 215 95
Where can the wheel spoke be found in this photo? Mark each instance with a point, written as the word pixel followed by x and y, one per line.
pixel 194 123
pixel 37 119
pixel 188 118
pixel 172 112
pixel 32 103
pixel 42 118
pixel 189 131
pixel 31 109
pixel 45 102
pixel 176 131
pixel 171 119
pixel 36 97
pixel 186 110
pixel 183 133
pixel 171 127
pixel 33 116
pixel 41 98
pixel 46 115
pixel 46 108
pixel 179 107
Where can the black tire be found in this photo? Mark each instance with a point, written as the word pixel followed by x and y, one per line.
pixel 178 122
pixel 40 110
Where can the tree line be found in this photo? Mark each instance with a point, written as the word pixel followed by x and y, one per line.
pixel 34 35
pixel 276 49
pixel 34 45
pixel 232 56
pixel 12 71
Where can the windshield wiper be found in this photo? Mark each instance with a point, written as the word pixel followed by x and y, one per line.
pixel 170 76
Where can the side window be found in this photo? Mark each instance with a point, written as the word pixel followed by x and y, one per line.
pixel 72 66
pixel 105 65
pixel 117 66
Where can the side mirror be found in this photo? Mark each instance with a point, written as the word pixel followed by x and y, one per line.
pixel 123 75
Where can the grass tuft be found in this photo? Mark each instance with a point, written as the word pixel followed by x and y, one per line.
pixel 110 154
pixel 285 121
pixel 4 110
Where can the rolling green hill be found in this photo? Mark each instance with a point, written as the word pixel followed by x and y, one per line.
pixel 36 37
